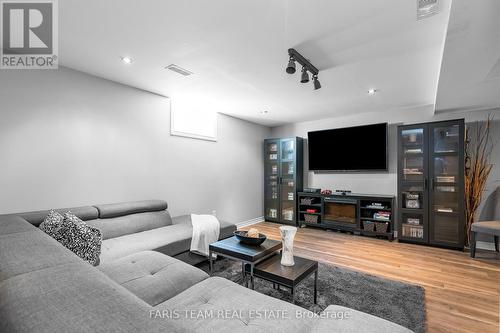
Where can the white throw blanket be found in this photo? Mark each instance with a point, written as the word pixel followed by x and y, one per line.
pixel 206 229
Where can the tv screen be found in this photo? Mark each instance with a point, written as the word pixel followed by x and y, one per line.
pixel 362 148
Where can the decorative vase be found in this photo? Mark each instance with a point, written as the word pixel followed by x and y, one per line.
pixel 287 236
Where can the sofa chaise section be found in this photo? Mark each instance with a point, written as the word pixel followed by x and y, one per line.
pixel 219 305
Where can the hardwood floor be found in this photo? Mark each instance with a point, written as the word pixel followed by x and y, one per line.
pixel 461 294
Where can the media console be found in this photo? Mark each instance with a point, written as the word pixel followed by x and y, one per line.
pixel 358 213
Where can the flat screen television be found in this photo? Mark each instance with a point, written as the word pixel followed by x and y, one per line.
pixel 361 148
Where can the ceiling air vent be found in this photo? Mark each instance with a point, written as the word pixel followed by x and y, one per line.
pixel 426 8
pixel 179 70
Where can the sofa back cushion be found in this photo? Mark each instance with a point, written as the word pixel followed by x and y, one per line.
pixel 130 224
pixel 127 208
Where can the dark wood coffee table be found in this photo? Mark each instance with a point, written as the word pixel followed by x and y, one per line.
pixel 287 276
pixel 247 254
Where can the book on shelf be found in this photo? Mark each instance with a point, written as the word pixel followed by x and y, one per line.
pixel 413 221
pixel 446 151
pixel 444 210
pixel 412 171
pixel 288 214
pixel 375 205
pixel 449 189
pixel 413 231
pixel 445 179
pixel 386 216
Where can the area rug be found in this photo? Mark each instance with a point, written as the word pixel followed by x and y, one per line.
pixel 395 301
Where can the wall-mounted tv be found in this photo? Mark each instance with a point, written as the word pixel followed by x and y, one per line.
pixel 361 148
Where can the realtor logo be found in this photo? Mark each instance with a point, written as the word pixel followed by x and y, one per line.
pixel 29 34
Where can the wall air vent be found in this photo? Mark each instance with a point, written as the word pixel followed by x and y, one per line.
pixel 179 70
pixel 426 8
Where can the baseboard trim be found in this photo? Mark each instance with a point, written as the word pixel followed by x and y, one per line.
pixel 485 245
pixel 250 222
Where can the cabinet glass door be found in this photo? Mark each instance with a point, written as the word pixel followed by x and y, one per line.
pixel 288 188
pixel 272 179
pixel 445 190
pixel 413 167
pixel 413 184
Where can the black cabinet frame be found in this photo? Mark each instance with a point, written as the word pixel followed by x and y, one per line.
pixel 297 161
pixel 432 230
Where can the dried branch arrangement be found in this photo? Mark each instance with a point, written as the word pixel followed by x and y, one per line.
pixel 477 168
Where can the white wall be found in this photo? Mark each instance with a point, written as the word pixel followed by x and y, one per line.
pixel 69 139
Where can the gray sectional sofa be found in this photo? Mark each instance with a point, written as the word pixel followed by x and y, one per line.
pixel 44 287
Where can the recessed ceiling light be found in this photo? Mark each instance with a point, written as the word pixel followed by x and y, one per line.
pixel 127 60
pixel 372 91
pixel 179 70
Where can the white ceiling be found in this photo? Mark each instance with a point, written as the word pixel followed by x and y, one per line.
pixel 470 74
pixel 238 51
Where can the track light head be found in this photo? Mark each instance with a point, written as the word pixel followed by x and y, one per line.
pixel 290 69
pixel 305 75
pixel 307 68
pixel 316 83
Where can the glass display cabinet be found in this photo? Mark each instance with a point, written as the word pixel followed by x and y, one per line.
pixel 283 174
pixel 431 183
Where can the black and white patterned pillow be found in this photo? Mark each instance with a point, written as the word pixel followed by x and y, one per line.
pixel 74 234
pixel 52 223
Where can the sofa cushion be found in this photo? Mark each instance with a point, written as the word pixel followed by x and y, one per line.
pixel 152 276
pixel 74 234
pixel 73 298
pixel 228 307
pixel 341 319
pixel 10 224
pixel 31 250
pixel 226 228
pixel 170 240
pixel 127 208
pixel 129 224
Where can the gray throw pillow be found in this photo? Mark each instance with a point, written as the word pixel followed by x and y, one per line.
pixel 74 234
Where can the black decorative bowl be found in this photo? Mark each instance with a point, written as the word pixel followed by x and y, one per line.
pixel 242 237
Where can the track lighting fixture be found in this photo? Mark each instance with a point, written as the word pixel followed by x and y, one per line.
pixel 290 69
pixel 305 77
pixel 306 67
pixel 316 83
